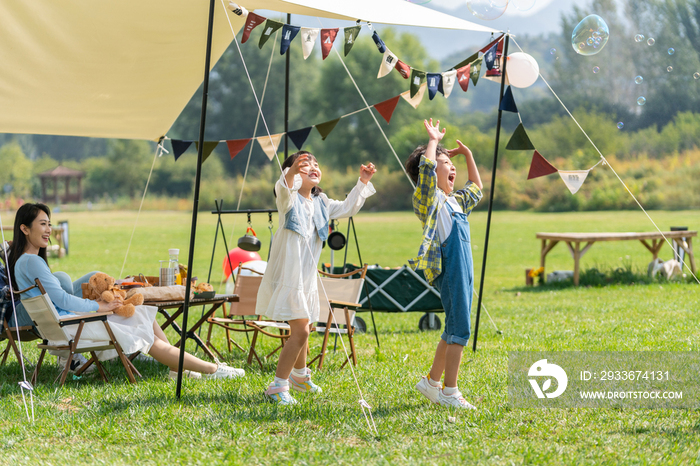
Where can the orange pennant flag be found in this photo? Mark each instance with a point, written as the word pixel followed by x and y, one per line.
pixel 386 108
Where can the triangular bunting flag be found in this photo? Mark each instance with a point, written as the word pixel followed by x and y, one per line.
pixel 540 166
pixel 268 29
pixel 417 77
pixel 324 129
pixel 490 56
pixel 467 61
pixel 388 64
pixel 433 84
pixel 179 147
pixel 327 38
pixel 299 136
pixel 379 42
pixel 463 75
pixel 386 108
pixel 496 41
pixel 251 23
pixel 350 37
pixel 308 39
pixel 207 149
pixel 403 69
pixel 508 102
pixel 416 99
pixel 236 145
pixel 520 140
pixel 448 81
pixel 288 34
pixel 573 179
pixel 476 70
pixel 269 144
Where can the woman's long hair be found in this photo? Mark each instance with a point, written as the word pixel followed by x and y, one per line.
pixel 25 216
pixel 289 161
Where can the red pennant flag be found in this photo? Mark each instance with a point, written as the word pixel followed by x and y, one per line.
pixel 500 45
pixel 463 77
pixel 327 38
pixel 251 23
pixel 386 108
pixel 404 69
pixel 236 145
pixel 540 167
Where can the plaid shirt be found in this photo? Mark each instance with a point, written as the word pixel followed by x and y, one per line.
pixel 427 205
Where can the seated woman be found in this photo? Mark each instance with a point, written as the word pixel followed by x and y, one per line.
pixel 141 332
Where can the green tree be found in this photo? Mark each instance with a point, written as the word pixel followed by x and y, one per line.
pixel 16 175
pixel 123 171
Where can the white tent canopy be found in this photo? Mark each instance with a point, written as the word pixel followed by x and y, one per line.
pixel 127 68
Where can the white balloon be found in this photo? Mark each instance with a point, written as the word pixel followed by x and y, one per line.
pixel 522 70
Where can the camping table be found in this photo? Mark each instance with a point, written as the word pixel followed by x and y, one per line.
pixel 574 240
pixel 216 302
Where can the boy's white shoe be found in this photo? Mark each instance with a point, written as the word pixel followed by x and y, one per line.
pixel 456 400
pixel 223 371
pixel 428 390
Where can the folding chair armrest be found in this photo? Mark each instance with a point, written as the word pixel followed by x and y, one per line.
pixel 335 303
pixel 91 317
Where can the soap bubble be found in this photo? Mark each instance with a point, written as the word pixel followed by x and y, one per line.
pixel 596 69
pixel 696 75
pixel 669 69
pixel 552 51
pixel 639 37
pixel 651 41
pixel 523 5
pixel 487 9
pixel 639 80
pixel 620 125
pixel 583 39
pixel 671 51
pixel 641 100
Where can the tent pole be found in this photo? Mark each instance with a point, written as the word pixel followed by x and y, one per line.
pixel 286 98
pixel 195 204
pixel 491 193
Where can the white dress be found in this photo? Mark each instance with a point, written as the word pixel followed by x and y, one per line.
pixel 289 290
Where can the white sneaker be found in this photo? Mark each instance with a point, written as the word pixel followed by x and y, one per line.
pixel 186 374
pixel 428 390
pixel 223 371
pixel 456 400
pixel 78 361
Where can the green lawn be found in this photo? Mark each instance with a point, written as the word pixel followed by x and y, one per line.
pixel 228 422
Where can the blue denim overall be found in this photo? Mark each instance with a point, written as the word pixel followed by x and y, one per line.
pixel 456 281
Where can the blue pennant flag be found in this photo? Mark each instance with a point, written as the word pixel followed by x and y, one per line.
pixel 490 56
pixel 508 102
pixel 299 136
pixel 380 43
pixel 179 147
pixel 289 32
pixel 434 84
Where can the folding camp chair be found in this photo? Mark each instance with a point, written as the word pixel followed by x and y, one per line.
pixel 51 328
pixel 246 288
pixel 13 319
pixel 339 296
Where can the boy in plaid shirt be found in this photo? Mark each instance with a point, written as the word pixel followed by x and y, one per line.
pixel 445 254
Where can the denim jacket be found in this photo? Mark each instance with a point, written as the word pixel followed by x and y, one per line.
pixel 294 219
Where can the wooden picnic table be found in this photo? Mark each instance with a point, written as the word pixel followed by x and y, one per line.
pixel 216 302
pixel 652 241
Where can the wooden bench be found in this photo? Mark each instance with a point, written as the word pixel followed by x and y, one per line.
pixel 651 241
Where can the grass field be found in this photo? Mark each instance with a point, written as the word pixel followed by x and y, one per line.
pixel 228 422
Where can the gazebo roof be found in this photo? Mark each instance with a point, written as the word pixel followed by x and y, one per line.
pixel 61 172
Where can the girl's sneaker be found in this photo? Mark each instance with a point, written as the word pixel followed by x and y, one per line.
pixel 304 383
pixel 456 400
pixel 186 374
pixel 279 394
pixel 428 390
pixel 224 371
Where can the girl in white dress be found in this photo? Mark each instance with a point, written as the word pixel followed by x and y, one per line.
pixel 288 291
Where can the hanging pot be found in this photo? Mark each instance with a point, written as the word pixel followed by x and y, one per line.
pixel 336 241
pixel 249 242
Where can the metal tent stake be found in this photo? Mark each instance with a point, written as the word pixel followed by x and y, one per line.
pixel 491 193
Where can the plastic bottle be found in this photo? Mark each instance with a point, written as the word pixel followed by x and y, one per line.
pixel 175 264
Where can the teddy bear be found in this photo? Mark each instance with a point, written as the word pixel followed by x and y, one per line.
pixel 101 286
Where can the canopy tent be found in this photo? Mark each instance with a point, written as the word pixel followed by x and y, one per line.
pixel 127 69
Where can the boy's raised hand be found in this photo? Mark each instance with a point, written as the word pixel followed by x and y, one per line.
pixel 434 131
pixel 366 172
pixel 460 149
